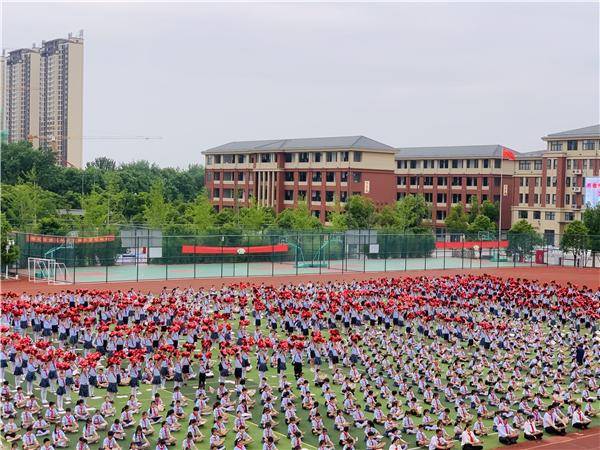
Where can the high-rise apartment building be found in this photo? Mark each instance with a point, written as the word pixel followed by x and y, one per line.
pixel 44 97
pixel 22 95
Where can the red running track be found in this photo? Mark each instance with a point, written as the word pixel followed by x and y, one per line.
pixel 584 440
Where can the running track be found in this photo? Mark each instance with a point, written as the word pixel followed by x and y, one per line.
pixel 585 440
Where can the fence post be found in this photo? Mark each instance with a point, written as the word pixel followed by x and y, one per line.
pixel 222 257
pixel 385 239
pixel 405 252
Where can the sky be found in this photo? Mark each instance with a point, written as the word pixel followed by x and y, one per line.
pixel 406 74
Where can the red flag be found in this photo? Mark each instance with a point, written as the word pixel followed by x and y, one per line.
pixel 508 154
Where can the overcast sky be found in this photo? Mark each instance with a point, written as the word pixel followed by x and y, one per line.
pixel 200 75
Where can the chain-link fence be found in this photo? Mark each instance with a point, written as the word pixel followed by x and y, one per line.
pixel 132 255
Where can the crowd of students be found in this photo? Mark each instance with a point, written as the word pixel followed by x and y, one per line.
pixel 448 360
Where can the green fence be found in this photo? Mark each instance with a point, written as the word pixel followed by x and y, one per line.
pixel 147 255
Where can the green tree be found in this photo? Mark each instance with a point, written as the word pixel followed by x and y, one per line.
pixel 156 209
pixel 95 210
pixel 53 225
pixel 360 213
pixel 575 240
pixel 256 217
pixel 475 209
pixel 591 219
pixel 480 224
pixel 490 209
pixel 25 204
pixel 298 218
pixel 412 211
pixel 20 158
pixel 200 212
pixel 8 253
pixel 522 239
pixel 103 164
pixel 458 220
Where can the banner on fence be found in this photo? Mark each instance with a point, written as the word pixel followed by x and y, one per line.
pixel 74 240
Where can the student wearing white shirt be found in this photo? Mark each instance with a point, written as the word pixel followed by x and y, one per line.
pixel 398 444
pixel 438 442
pixel 550 425
pixel 530 431
pixel 506 434
pixel 579 419
pixel 469 441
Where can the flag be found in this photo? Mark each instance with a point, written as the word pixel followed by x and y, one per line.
pixel 508 154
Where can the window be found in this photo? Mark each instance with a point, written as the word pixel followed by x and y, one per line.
pixel 496 181
pixel 289 157
pixel 303 157
pixel 227 176
pixel 568 181
pixel 356 177
pixel 484 181
pixel 569 216
pixel 428 196
pixel 217 159
pixel 228 159
pixel 472 163
pixel 440 214
pixel 288 195
pixel 537 215
pixel 330 177
pixel 457 163
pixel 357 156
pixel 345 156
pixel 331 156
pixel 441 198
pixel 524 165
pixel 470 198
pixel 216 193
pixel 584 166
pixel 536 198
pixel 401 181
pixel 569 163
pixel 549 216
pixel 471 181
pixel 523 215
pixel 567 199
pixel 400 195
pixel 344 177
pixel 414 181
pixel 209 160
pixel 227 193
pixel 548 181
pixel 427 181
pixel 413 164
pixel 553 181
pixel 217 176
pixel 497 163
pixel 456 198
pixel 240 193
pixel 316 213
pixel 302 195
pixel 265 157
pixel 402 164
pixel 548 164
pixel 343 196
pixel 538 181
pixel 523 181
pixel 317 156
pixel 302 177
pixel 442 181
pixel 556 146
pixel 288 176
pixel 589 145
pixel 537 164
pixel 316 177
pixel 315 196
pixel 429 164
pixel 456 181
pixel 484 197
pixel 240 176
pixel 241 159
pixel 329 196
pixel 571 145
pixel 553 199
pixel 554 161
pixel 443 163
pixel 486 163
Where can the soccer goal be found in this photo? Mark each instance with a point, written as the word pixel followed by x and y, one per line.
pixel 47 270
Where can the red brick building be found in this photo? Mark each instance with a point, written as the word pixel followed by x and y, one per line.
pixel 320 171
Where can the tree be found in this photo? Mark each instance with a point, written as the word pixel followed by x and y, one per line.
pixel 458 220
pixel 156 209
pixel 256 217
pixel 591 219
pixel 480 224
pixel 412 210
pixel 575 240
pixel 360 213
pixel 200 212
pixel 27 203
pixel 491 210
pixel 8 253
pixel 522 239
pixel 298 218
pixel 20 158
pixel 95 210
pixel 474 211
pixel 103 164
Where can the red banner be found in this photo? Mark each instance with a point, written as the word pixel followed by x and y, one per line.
pixel 470 244
pixel 40 238
pixel 207 250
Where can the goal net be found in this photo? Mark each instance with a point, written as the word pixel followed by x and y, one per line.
pixel 47 270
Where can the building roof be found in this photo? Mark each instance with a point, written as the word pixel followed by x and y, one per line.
pixel 457 151
pixel 337 142
pixel 591 131
pixel 530 155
